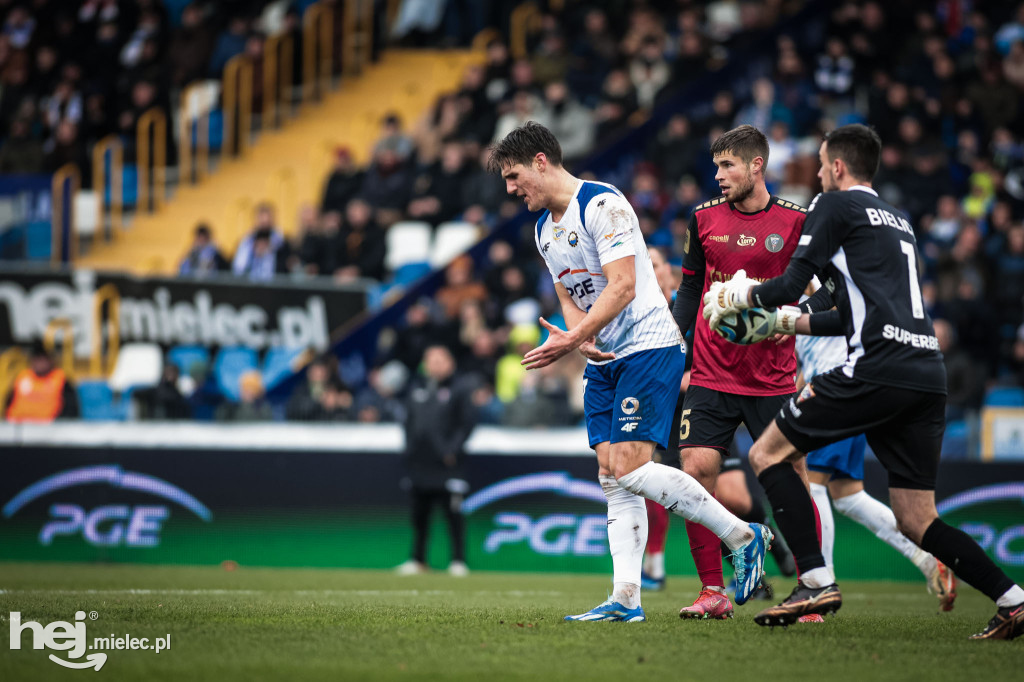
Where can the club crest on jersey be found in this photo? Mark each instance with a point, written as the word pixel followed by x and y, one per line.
pixel 744 240
pixel 557 232
pixel 774 243
pixel 630 405
pixel 574 238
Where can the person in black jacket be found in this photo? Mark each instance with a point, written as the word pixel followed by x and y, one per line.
pixel 440 417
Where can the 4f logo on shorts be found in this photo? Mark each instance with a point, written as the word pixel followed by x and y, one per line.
pixel 630 427
pixel 630 405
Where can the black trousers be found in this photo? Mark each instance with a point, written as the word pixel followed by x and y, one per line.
pixel 451 504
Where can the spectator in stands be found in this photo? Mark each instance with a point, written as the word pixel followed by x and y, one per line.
pixel 319 242
pixel 481 194
pixel 381 400
pixel 438 194
pixel 618 102
pixel 649 71
pixel 460 286
pixel 203 257
pixel 509 372
pixel 230 42
pixel 763 110
pixel 42 392
pixel 66 146
pixel 550 60
pixel 264 262
pixel 542 401
pixel 252 405
pixel 344 182
pixel 191 47
pixel 526 106
pixel 965 378
pixel 21 152
pixel 165 400
pixel 360 247
pixel 388 183
pixel 272 254
pixel 570 121
pixel 440 417
pixel 418 332
pixel 393 139
pixel 304 404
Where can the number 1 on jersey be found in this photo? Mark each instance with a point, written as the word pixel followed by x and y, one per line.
pixel 916 303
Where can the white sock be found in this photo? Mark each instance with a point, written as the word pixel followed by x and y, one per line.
pixel 818 577
pixel 681 494
pixel 1011 597
pixel 879 519
pixel 828 524
pixel 654 565
pixel 627 538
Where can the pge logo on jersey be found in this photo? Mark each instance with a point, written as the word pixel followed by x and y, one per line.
pixel 109 525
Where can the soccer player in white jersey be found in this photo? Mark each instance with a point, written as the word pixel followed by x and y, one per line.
pixel 617 317
pixel 838 470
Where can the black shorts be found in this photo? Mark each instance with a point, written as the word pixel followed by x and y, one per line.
pixel 710 419
pixel 904 427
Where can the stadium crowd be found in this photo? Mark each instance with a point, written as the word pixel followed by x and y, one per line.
pixel 942 83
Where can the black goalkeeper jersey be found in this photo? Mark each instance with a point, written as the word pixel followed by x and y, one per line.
pixel 868 258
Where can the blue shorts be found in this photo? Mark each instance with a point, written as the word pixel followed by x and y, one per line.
pixel 633 399
pixel 844 459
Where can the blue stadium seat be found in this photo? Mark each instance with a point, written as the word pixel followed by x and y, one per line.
pixel 97 402
pixel 277 365
pixel 410 272
pixel 1005 396
pixel 955 440
pixel 230 364
pixel 185 357
pixel 38 240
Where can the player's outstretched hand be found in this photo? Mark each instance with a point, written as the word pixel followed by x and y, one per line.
pixel 558 344
pixel 729 297
pixel 588 349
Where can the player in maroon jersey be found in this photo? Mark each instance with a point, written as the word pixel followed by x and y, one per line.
pixel 746 228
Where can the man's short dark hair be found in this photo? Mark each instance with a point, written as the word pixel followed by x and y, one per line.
pixel 522 145
pixel 745 142
pixel 858 146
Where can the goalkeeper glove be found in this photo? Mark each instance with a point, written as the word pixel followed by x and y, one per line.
pixel 728 297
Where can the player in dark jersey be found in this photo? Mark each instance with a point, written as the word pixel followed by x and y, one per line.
pixel 744 229
pixel 892 387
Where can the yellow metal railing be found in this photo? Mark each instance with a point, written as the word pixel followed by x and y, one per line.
pixel 55 326
pixel 236 217
pixel 106 294
pixel 277 80
pixel 12 361
pixel 151 136
pixel 282 190
pixel 317 40
pixel 68 171
pixel 357 35
pixel 237 89
pixel 112 144
pixel 524 19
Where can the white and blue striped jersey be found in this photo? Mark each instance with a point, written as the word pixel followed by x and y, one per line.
pixel 600 227
pixel 819 354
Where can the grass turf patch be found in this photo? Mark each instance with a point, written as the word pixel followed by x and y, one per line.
pixel 255 624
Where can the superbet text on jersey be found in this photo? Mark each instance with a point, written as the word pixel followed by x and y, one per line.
pixel 721 240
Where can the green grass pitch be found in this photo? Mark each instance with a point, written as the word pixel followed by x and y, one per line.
pixel 286 624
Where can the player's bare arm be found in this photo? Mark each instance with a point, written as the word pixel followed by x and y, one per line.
pixel 573 316
pixel 621 289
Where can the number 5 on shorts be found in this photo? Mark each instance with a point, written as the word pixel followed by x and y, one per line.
pixel 684 426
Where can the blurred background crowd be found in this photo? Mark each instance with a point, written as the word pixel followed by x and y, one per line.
pixel 942 82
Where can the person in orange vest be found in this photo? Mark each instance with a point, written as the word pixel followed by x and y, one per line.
pixel 42 392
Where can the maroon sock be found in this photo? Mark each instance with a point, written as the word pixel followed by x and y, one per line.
pixel 657 526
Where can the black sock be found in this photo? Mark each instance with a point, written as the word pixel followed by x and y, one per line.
pixel 794 512
pixel 962 554
pixel 756 514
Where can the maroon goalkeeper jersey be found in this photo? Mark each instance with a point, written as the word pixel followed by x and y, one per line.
pixel 721 240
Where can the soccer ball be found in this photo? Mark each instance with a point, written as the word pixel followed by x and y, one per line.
pixel 747 327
